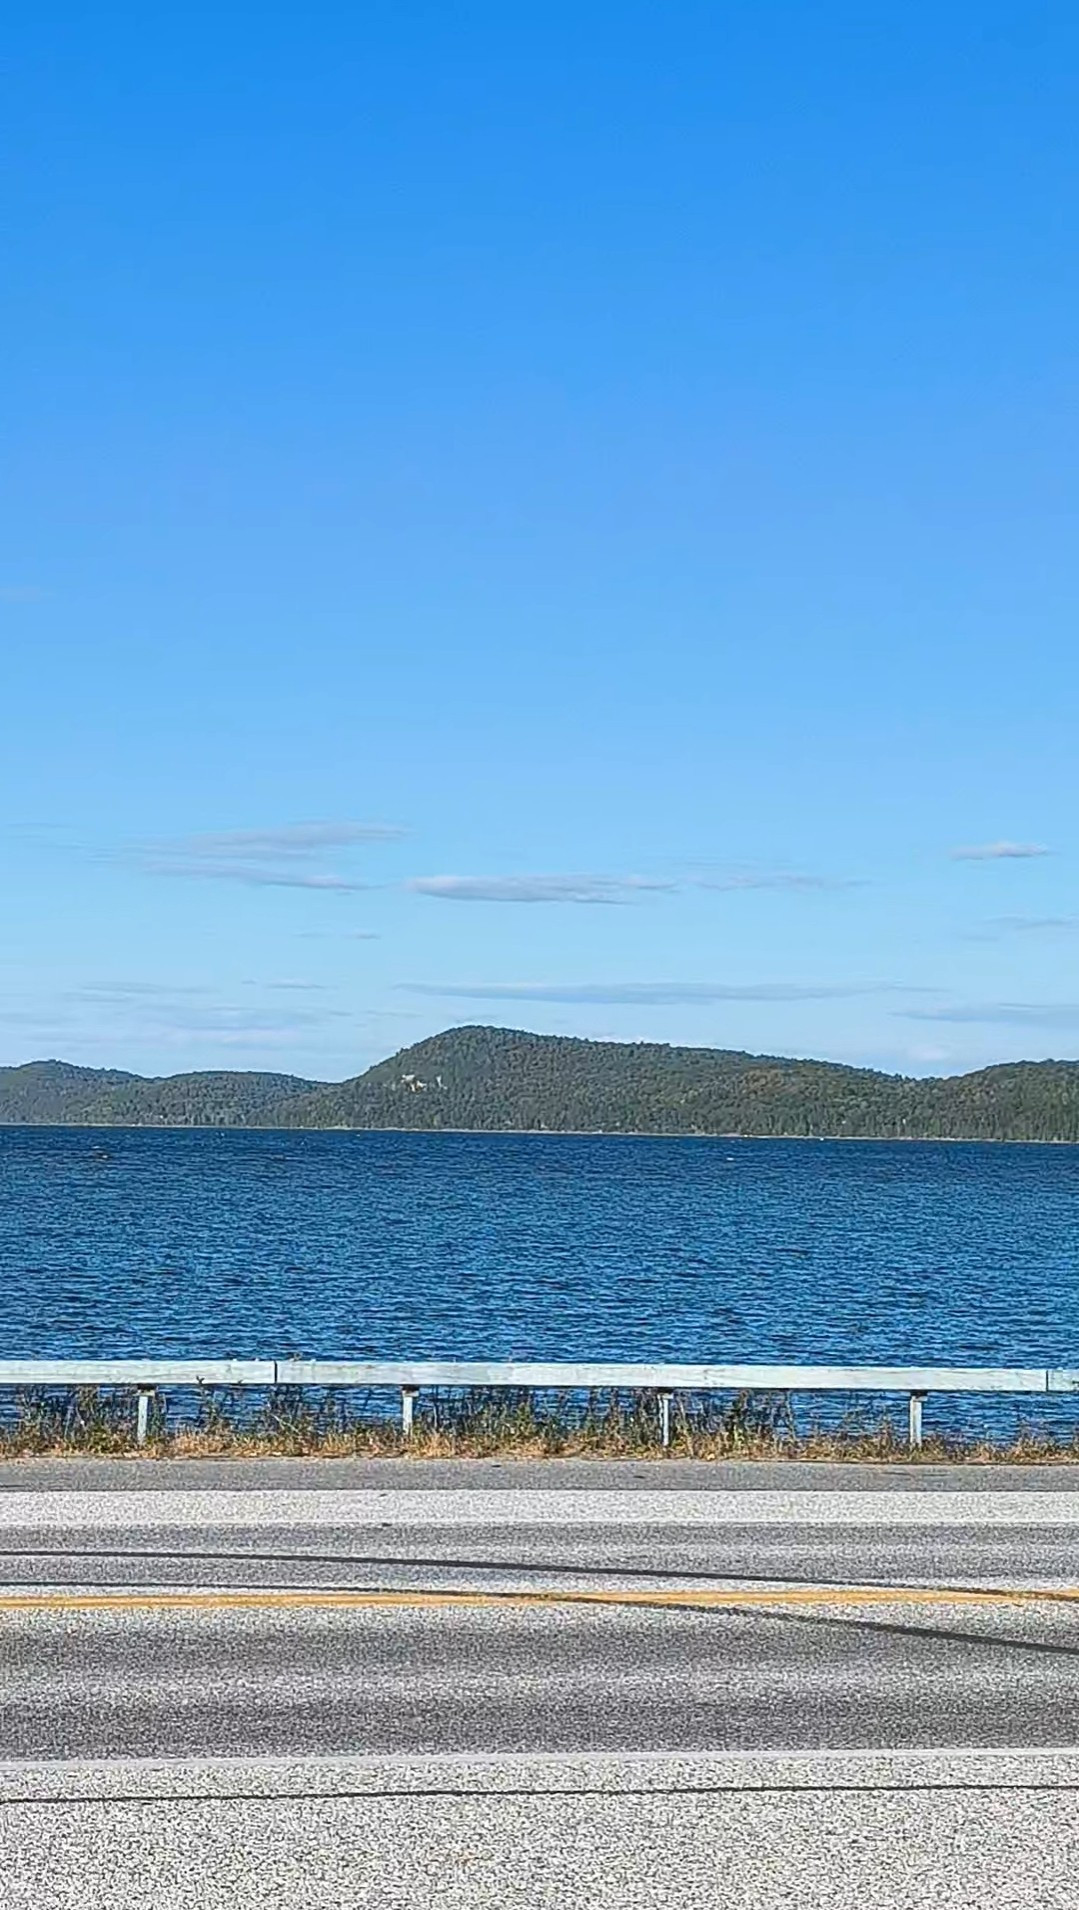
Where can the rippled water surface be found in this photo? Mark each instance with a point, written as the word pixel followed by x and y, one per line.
pixel 219 1243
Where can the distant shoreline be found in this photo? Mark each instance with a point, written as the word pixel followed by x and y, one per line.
pixel 520 1133
pixel 486 1080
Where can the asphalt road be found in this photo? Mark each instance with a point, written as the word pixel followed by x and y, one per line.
pixel 385 1661
pixel 370 1620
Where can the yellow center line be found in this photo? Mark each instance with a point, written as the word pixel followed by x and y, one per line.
pixel 318 1599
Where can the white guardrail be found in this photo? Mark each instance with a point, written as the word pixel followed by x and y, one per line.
pixel 409 1377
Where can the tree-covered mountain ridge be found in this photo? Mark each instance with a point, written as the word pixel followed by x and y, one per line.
pixel 500 1080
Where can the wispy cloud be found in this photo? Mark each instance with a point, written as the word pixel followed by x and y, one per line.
pixel 592 889
pixel 1014 1014
pixel 253 875
pixel 537 888
pixel 295 856
pixel 136 992
pixel 1000 852
pixel 227 1017
pixel 668 994
pixel 734 879
pixel 1001 925
pixel 300 839
pixel 21 593
pixel 45 1019
pixel 160 1020
pixel 293 987
pixel 197 1009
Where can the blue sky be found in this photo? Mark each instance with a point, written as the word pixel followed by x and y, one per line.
pixel 560 515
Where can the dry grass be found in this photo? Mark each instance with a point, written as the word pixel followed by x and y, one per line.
pixel 506 1425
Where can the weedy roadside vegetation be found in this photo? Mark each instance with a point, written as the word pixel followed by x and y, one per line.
pixel 293 1423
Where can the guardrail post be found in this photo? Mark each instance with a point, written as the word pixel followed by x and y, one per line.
pixel 665 1419
pixel 408 1409
pixel 142 1416
pixel 914 1421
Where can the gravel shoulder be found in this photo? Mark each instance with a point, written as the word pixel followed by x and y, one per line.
pixel 503 1834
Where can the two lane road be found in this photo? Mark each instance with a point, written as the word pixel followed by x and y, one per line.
pixel 659 1631
pixel 373 1618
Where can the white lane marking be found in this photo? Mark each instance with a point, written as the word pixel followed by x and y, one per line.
pixel 371 1509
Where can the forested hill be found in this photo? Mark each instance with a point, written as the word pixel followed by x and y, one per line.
pixel 55 1093
pixel 496 1079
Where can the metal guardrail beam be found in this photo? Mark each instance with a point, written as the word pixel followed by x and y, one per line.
pixel 409 1376
pixel 138 1372
pixel 592 1375
pixel 577 1375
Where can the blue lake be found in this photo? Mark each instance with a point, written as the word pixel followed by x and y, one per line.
pixel 226 1243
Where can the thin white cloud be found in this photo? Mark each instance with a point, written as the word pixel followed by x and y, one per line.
pixel 926 1053
pixel 198 1009
pixel 293 987
pixel 137 991
pixel 1013 1014
pixel 1026 925
pixel 1000 852
pixel 792 879
pixel 537 888
pixel 591 889
pixel 666 994
pixel 227 1018
pixel 255 875
pixel 298 855
pixel 300 839
pixel 44 1018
